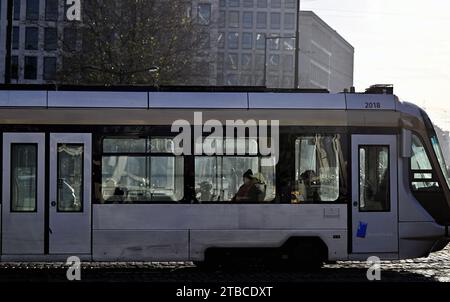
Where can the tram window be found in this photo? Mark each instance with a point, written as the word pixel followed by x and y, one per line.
pixel 70 178
pixel 374 179
pixel 317 169
pixel 218 178
pixel 23 177
pixel 141 171
pixel 422 172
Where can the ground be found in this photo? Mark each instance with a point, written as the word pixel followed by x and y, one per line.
pixel 435 268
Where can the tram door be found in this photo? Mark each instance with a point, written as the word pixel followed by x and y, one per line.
pixel 46 204
pixel 374 194
pixel 70 193
pixel 23 203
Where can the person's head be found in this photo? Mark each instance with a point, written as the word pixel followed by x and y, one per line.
pixel 248 176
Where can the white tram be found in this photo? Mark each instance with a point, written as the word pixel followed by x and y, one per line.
pixel 93 173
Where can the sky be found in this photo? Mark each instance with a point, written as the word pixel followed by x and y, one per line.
pixel 400 42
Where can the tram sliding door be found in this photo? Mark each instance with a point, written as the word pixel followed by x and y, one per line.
pixel 70 193
pixel 23 193
pixel 374 193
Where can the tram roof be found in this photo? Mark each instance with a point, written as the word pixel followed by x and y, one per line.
pixel 247 98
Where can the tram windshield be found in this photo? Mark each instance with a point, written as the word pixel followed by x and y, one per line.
pixel 439 144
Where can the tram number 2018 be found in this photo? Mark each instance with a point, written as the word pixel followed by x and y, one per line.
pixel 373 105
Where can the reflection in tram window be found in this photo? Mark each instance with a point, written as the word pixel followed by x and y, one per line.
pixel 23 177
pixel 218 178
pixel 317 169
pixel 422 171
pixel 374 178
pixel 144 171
pixel 70 178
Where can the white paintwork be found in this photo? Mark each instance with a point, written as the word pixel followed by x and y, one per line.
pixel 70 232
pixel 368 101
pixel 19 98
pixel 206 100
pixel 97 99
pixel 141 245
pixel 23 233
pixel 217 216
pixel 265 100
pixel 152 232
pixel 234 100
pixel 381 236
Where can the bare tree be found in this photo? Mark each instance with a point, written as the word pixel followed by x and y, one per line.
pixel 122 42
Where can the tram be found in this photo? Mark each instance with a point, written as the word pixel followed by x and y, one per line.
pixel 95 173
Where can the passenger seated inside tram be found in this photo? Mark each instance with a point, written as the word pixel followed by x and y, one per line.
pixel 253 190
pixel 312 185
pixel 117 197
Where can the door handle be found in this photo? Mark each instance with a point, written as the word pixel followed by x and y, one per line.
pixel 355 204
pixel 53 203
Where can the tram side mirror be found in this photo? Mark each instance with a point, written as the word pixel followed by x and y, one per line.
pixel 406 143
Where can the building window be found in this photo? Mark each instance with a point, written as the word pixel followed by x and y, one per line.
pixel 274 62
pixel 16 9
pixel 248 3
pixel 247 19
pixel 232 61
pixel 246 61
pixel 290 4
pixel 15 37
pixel 32 11
pixel 221 40
pixel 30 68
pixel 233 3
pixel 289 21
pixel 288 63
pixel 31 38
pixel 51 10
pixel 141 170
pixel 49 68
pixel 260 61
pixel 204 13
pixel 50 38
pixel 274 43
pixel 317 169
pixel 247 40
pixel 233 40
pixel 260 41
pixel 261 4
pixel 275 20
pixel 70 39
pixel 222 3
pixel 15 67
pixel 261 20
pixel 275 3
pixel 222 18
pixel 233 19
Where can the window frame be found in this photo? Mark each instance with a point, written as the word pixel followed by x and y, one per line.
pixel 147 155
pixel 36 145
pixel 433 171
pixel 341 198
pixel 82 177
pixel 389 183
